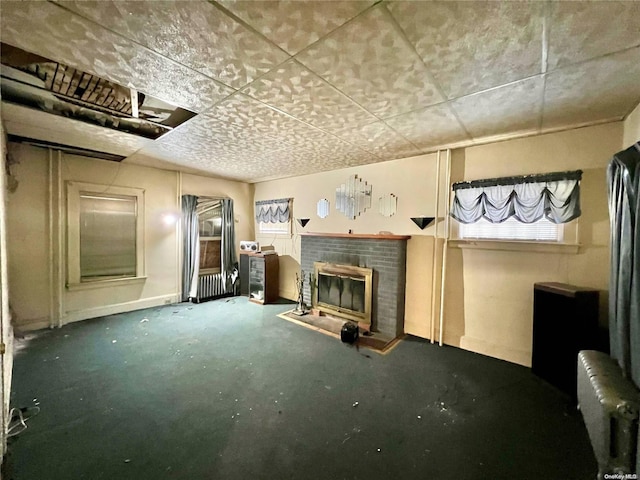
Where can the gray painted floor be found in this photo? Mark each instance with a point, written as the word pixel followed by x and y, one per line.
pixel 227 390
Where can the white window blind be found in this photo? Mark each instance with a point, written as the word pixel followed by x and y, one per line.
pixel 512 229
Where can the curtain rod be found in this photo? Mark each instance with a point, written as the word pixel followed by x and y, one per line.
pixel 277 200
pixel 542 177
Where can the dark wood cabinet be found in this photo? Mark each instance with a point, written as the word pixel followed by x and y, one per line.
pixel 263 277
pixel 565 321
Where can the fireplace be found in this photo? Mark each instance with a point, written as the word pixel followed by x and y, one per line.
pixel 344 255
pixel 343 290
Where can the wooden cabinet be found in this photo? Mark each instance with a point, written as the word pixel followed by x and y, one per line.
pixel 565 321
pixel 263 278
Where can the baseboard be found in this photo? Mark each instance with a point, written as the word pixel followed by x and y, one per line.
pixel 512 355
pixel 76 316
pixel 32 324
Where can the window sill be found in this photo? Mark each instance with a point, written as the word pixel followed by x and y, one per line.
pixel 516 246
pixel 114 282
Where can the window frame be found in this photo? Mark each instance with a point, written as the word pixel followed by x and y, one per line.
pixel 74 191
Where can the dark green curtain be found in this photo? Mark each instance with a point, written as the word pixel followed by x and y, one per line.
pixel 623 177
pixel 229 259
pixel 190 247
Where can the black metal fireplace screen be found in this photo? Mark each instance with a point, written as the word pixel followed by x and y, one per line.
pixel 342 292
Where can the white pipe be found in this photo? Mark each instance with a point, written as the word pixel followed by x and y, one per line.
pixel 50 220
pixel 434 258
pixel 178 232
pixel 61 239
pixel 445 246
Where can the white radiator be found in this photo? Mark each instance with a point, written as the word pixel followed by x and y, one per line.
pixel 609 404
pixel 211 285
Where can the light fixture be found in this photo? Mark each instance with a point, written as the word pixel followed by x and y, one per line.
pixel 303 221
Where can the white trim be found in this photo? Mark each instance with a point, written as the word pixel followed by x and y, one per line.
pixel 112 282
pixel 77 315
pixel 517 246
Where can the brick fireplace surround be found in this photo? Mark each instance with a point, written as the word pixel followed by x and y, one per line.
pixel 385 254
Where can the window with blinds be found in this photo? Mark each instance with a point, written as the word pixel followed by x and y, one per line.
pixel 512 229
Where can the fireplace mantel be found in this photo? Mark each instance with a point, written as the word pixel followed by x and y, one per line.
pixel 357 235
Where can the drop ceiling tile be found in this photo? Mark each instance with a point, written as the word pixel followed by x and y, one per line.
pixel 430 127
pixel 193 33
pixel 39 125
pixel 372 63
pixel 600 89
pixel 583 30
pixel 297 91
pixel 380 140
pixel 294 25
pixel 62 36
pixel 472 46
pixel 508 109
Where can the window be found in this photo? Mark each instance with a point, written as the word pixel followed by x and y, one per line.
pixel 105 234
pixel 512 229
pixel 210 230
pixel 274 216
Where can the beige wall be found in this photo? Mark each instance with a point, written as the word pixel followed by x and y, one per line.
pixel 412 179
pixel 36 212
pixel 632 128
pixel 6 330
pixel 496 318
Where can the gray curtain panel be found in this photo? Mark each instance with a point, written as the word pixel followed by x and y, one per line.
pixel 229 259
pixel 555 196
pixel 273 211
pixel 623 177
pixel 190 247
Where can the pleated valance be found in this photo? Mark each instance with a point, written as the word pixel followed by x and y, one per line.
pixel 273 211
pixel 554 196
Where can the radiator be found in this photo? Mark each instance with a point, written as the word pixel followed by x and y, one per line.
pixel 609 404
pixel 211 285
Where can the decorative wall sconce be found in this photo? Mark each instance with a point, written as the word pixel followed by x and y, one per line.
pixel 422 222
pixel 387 204
pixel 353 197
pixel 303 221
pixel 323 208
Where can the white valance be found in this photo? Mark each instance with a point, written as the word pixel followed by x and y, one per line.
pixel 273 211
pixel 555 196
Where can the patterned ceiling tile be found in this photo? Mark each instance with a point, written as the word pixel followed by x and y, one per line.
pixel 53 32
pixel 295 90
pixel 583 30
pixel 243 138
pixel 430 127
pixel 193 33
pixel 511 108
pixel 31 123
pixel 380 140
pixel 600 89
pixel 472 46
pixel 371 62
pixel 294 25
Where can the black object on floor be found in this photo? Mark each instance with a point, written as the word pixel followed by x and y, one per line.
pixel 227 390
pixel 349 332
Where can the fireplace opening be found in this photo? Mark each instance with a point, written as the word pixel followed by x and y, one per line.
pixel 343 290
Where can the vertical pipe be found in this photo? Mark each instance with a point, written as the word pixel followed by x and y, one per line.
pixel 51 247
pixel 178 232
pixel 445 246
pixel 60 258
pixel 434 257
